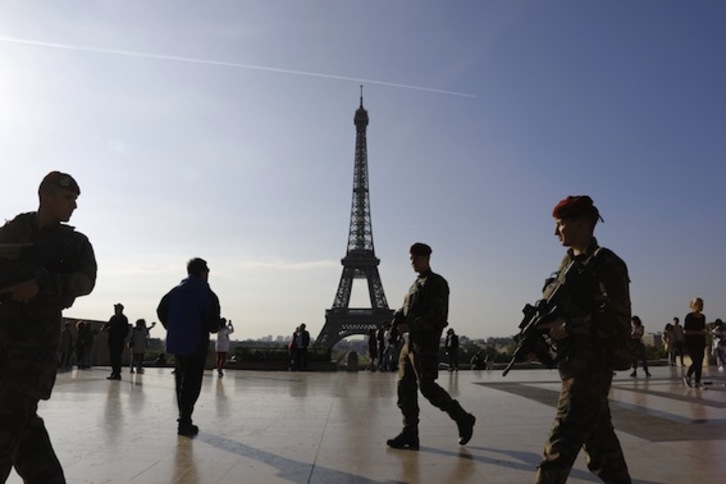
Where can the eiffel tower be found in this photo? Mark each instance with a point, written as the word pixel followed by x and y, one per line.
pixel 360 261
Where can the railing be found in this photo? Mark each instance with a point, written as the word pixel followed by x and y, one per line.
pixel 245 353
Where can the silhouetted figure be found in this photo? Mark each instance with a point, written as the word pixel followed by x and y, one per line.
pixel 670 344
pixel 189 312
pixel 719 343
pixel 372 349
pixel 56 265
pixel 477 361
pixel 451 344
pixel 302 341
pixel 66 346
pixel 84 345
pixel 679 339
pixel 694 329
pixel 137 343
pixel 117 328
pixel 636 332
pixel 292 348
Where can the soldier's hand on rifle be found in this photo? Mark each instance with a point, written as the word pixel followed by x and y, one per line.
pixel 556 329
pixel 401 328
pixel 24 291
pixel 398 324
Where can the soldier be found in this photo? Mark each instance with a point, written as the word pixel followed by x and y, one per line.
pixel 595 319
pixel 424 316
pixel 54 265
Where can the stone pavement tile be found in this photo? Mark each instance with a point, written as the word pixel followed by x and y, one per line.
pixel 315 428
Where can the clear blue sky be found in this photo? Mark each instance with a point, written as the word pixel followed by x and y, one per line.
pixel 225 130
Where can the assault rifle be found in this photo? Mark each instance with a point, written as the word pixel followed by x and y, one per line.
pixel 20 262
pixel 13 269
pixel 398 321
pixel 531 338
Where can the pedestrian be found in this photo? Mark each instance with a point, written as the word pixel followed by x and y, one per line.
pixel 292 350
pixel 451 345
pixel 636 333
pixel 117 328
pixel 161 360
pixel 55 265
pixel 389 349
pixel 372 349
pixel 488 362
pixel 84 345
pixel 138 343
pixel 669 344
pixel 189 312
pixel 382 336
pixel 81 345
pixel 594 322
pixel 694 329
pixel 424 316
pixel 66 346
pixel 225 329
pixel 719 343
pixel 679 339
pixel 302 341
pixel 477 361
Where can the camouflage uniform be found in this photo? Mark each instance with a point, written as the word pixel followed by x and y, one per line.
pixel 29 336
pixel 597 314
pixel 425 309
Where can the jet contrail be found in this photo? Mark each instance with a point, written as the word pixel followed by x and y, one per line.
pixel 225 64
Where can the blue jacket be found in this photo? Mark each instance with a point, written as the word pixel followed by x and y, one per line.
pixel 189 312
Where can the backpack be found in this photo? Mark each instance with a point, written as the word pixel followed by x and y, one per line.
pixel 621 349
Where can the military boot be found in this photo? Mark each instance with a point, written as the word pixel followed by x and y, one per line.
pixel 464 421
pixel 548 472
pixel 407 439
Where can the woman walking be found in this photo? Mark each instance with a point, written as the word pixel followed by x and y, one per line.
pixel 694 328
pixel 636 333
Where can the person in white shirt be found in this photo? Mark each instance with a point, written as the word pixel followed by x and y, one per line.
pixel 225 329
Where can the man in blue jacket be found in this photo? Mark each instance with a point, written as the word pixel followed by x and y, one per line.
pixel 189 312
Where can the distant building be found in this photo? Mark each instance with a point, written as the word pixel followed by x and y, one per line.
pixel 653 339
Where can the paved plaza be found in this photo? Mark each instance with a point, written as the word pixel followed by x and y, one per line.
pixel 279 427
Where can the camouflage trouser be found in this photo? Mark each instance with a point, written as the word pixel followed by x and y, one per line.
pixel 418 370
pixel 24 442
pixel 583 421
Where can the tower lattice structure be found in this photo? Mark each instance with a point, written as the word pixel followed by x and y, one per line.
pixel 360 261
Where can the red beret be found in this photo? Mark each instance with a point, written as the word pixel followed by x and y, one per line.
pixel 59 180
pixel 575 206
pixel 420 248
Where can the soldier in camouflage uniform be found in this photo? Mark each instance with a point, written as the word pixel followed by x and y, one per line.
pixel 45 266
pixel 595 319
pixel 424 316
